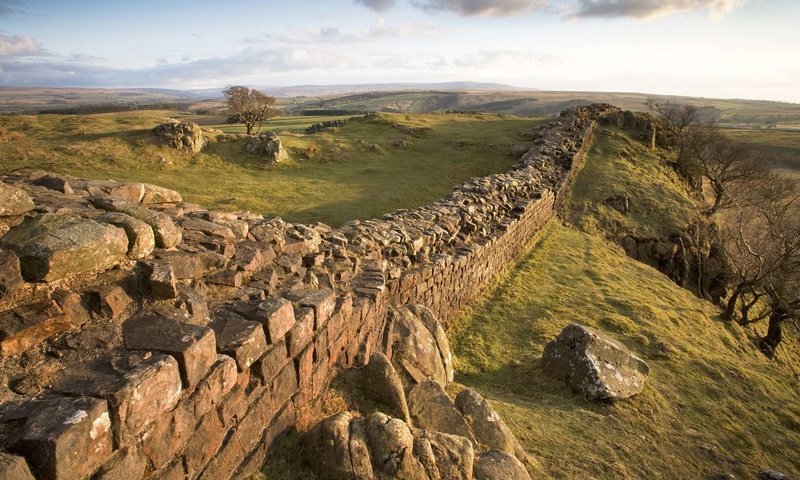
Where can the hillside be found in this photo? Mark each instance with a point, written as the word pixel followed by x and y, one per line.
pixel 714 405
pixel 363 169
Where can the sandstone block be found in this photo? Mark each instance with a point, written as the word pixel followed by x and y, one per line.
pixel 155 194
pixel 53 246
pixel 162 281
pixel 137 394
pixel 24 327
pixel 431 409
pixel 111 301
pixel 141 239
pixel 67 440
pixel 167 436
pixel 277 317
pixel 13 467
pixel 167 235
pixel 10 273
pixel 125 464
pixel 192 346
pixel 241 339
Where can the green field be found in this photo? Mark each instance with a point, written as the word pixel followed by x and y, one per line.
pixel 782 146
pixel 361 170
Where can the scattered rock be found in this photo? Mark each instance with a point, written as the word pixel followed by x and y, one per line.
pixel 267 145
pixel 594 365
pixel 499 465
pixel 14 201
pixel 771 475
pixel 181 135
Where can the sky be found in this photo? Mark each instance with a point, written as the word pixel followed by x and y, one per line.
pixel 713 48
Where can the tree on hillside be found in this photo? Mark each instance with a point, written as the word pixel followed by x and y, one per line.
pixel 250 106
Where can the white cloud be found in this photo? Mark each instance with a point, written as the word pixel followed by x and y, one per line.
pixel 482 8
pixel 504 59
pixel 647 9
pixel 18 46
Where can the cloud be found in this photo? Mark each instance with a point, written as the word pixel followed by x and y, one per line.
pixel 482 8
pixel 18 46
pixel 333 35
pixel 376 5
pixel 502 59
pixel 258 65
pixel 647 9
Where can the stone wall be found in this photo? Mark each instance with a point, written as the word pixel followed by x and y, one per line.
pixel 145 337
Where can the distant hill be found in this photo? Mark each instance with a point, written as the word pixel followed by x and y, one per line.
pixel 327 90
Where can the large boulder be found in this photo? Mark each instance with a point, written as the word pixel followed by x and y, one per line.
pixel 51 247
pixel 327 449
pixel 267 145
pixel 594 365
pixel 417 352
pixel 444 456
pixel 498 465
pixel 14 201
pixel 391 446
pixel 181 135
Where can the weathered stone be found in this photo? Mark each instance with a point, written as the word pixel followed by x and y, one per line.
pixel 141 239
pixel 204 444
pixel 360 460
pixel 435 327
pixel 499 465
pixel 111 301
pixel 194 301
pixel 24 327
pixel 192 346
pixel 68 439
pixel 593 364
pixel 251 256
pixel 52 246
pixel 167 235
pixel 167 436
pixel 268 145
pixel 453 456
pixel 273 360
pixel 128 192
pixel 414 349
pixel 327 448
pixel 239 338
pixel 323 302
pixel 72 305
pixel 10 273
pixel 431 409
pixel 125 464
pixel 191 264
pixel 137 394
pixel 13 467
pixel 301 332
pixel 58 183
pixel 772 475
pixel 162 281
pixel 490 430
pixel 14 201
pixel 277 317
pixel 210 392
pixel 391 447
pixel 181 135
pixel 382 384
pixel 230 278
pixel 156 194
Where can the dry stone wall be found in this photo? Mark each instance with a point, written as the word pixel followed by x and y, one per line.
pixel 145 337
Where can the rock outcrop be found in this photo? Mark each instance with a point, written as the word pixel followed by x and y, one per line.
pixel 268 146
pixel 594 365
pixel 181 135
pixel 419 345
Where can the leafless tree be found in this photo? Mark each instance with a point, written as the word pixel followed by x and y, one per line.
pixel 250 106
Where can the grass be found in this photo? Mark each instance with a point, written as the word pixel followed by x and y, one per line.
pixel 715 406
pixel 354 172
pixel 658 202
pixel 782 146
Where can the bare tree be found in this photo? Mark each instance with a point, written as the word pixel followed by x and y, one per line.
pixel 250 106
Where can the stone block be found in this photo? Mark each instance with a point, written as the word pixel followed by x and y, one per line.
pixel 141 239
pixel 162 281
pixel 194 347
pixel 220 380
pixel 68 439
pixel 125 464
pixel 284 385
pixel 272 362
pixel 277 317
pixel 323 302
pixel 52 247
pixel 24 327
pixel 241 339
pixel 301 332
pixel 14 201
pixel 111 301
pixel 203 444
pixel 166 233
pixel 13 467
pixel 167 436
pixel 10 273
pixel 138 392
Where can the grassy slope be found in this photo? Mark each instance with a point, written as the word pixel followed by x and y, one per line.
pixel 783 146
pixel 620 166
pixel 714 406
pixel 346 179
